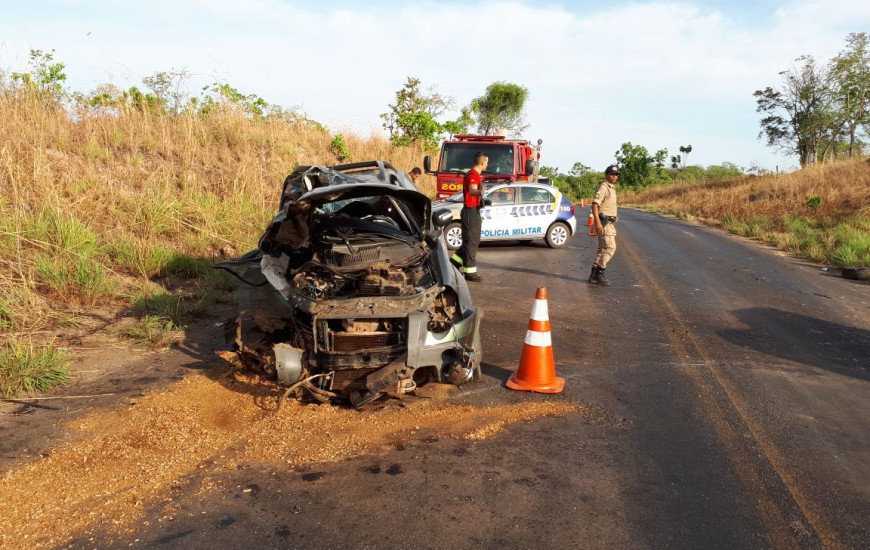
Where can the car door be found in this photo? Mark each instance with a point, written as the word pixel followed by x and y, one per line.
pixel 535 211
pixel 498 220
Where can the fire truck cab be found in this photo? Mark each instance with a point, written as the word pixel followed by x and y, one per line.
pixel 509 161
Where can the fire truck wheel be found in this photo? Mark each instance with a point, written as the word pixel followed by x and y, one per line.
pixel 453 236
pixel 558 235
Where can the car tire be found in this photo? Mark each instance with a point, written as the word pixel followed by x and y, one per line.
pixel 558 235
pixel 453 236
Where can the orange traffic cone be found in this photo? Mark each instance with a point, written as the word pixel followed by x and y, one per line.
pixel 537 372
pixel 591 223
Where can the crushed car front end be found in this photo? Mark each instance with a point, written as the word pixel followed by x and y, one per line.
pixel 350 294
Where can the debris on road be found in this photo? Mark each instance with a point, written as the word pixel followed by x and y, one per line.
pixel 120 464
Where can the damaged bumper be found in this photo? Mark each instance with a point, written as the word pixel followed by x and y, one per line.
pixel 364 363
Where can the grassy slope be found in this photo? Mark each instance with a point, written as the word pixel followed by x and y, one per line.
pixel 105 216
pixel 821 213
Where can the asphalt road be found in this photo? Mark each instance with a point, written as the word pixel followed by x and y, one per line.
pixel 729 386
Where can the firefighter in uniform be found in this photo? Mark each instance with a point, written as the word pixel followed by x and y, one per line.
pixel 605 215
pixel 472 194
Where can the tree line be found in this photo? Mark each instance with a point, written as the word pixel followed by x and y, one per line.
pixel 639 168
pixel 413 117
pixel 820 111
pixel 164 93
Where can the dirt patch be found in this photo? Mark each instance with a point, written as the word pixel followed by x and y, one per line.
pixel 121 462
pixel 105 373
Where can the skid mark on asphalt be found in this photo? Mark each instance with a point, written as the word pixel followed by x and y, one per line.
pixel 126 462
pixel 710 381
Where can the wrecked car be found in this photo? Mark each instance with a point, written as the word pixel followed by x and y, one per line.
pixel 350 295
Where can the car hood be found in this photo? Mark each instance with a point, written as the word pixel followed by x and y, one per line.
pixel 292 225
pixel 445 204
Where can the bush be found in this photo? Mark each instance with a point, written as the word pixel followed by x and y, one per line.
pixel 25 369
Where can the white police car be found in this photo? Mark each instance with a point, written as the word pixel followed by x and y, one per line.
pixel 517 211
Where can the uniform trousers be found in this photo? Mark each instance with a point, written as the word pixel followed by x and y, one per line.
pixel 606 245
pixel 470 220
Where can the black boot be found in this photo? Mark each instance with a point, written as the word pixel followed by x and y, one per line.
pixel 592 276
pixel 599 277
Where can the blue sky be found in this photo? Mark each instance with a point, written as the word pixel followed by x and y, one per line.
pixel 655 73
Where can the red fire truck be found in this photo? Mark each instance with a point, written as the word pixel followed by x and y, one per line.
pixel 509 160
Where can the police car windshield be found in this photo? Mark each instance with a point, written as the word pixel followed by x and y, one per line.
pixel 459 157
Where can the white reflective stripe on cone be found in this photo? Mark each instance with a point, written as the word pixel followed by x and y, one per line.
pixel 540 312
pixel 538 339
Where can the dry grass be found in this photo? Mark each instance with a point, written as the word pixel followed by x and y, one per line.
pixel 821 212
pixel 95 209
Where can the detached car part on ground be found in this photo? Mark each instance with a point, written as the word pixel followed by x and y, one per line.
pixel 350 294
pixel 516 211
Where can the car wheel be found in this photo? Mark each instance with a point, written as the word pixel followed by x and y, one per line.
pixel 558 235
pixel 453 236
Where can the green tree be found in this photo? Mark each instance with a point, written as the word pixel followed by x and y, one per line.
pixel 579 170
pixel 340 148
pixel 500 108
pixel 850 83
pixel 798 115
pixel 223 96
pixel 692 173
pixel 109 99
pixel 726 170
pixel 549 172
pixel 461 125
pixel 639 169
pixel 169 88
pixel 135 98
pixel 105 98
pixel 580 182
pixel 412 118
pixel 45 78
pixel 678 162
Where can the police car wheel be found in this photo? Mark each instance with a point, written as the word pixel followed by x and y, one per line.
pixel 453 236
pixel 557 235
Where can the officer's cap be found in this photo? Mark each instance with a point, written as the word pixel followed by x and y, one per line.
pixel 612 169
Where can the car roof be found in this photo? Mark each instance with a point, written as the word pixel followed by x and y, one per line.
pixel 523 184
pixel 377 171
pixel 511 184
pixel 304 179
pixel 309 187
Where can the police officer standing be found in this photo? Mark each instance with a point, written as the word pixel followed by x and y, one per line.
pixel 472 193
pixel 605 216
